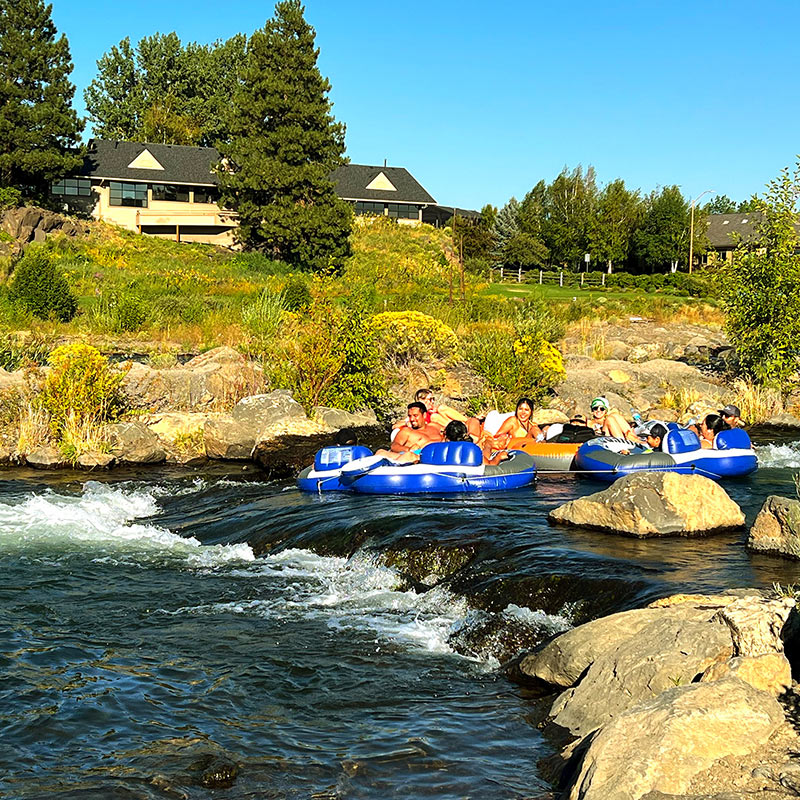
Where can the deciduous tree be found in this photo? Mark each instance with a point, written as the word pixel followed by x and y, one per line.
pixel 662 240
pixel 284 145
pixel 617 213
pixel 761 288
pixel 39 129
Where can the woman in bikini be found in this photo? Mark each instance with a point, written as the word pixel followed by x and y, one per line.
pixel 520 426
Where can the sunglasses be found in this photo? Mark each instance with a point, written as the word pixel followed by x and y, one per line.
pixel 598 408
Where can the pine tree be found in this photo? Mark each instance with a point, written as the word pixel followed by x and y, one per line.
pixel 39 129
pixel 284 145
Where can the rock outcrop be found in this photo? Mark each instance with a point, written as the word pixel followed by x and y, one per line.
pixel 212 380
pixel 33 224
pixel 776 529
pixel 134 443
pixel 654 504
pixel 661 744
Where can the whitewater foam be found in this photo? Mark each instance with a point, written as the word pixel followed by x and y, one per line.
pixel 99 524
pixel 779 456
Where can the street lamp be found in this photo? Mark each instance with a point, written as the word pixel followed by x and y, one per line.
pixel 691 227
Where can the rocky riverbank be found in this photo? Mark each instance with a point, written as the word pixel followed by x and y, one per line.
pixel 691 697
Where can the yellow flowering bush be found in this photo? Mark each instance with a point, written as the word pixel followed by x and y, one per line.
pixel 79 387
pixel 406 336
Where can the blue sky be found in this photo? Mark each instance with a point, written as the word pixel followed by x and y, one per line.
pixel 481 100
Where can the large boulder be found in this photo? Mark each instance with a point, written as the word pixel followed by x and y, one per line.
pixel 33 224
pixel 675 649
pixel 45 457
pixel 661 744
pixel 180 434
pixel 253 420
pixel 758 625
pixel 776 530
pixel 337 418
pixel 134 443
pixel 770 672
pixel 654 504
pixel 212 380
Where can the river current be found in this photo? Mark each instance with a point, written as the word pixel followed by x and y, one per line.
pixel 158 628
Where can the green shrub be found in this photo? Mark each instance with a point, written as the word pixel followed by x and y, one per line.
pixel 10 197
pixel 39 286
pixel 296 295
pixel 257 263
pixel 80 388
pixel 16 352
pixel 123 311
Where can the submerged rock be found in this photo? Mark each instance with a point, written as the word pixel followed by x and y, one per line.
pixel 661 744
pixel 654 504
pixel 431 563
pixel 776 530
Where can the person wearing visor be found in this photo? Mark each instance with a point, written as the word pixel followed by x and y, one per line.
pixel 608 421
pixel 732 416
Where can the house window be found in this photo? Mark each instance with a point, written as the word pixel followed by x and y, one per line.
pixel 171 193
pixel 403 211
pixel 127 194
pixel 364 207
pixel 205 194
pixel 72 187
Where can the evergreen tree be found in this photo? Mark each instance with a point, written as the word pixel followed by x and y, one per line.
pixel 506 227
pixel 283 147
pixel 721 204
pixel 39 129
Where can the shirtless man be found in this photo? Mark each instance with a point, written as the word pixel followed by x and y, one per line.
pixel 440 414
pixel 411 438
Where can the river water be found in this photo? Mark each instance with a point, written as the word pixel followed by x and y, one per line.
pixel 157 628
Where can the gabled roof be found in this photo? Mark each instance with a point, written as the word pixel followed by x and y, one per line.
pixel 722 227
pixel 351 182
pixel 107 158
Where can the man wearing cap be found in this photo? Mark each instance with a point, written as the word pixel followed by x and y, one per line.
pixel 732 415
pixel 609 422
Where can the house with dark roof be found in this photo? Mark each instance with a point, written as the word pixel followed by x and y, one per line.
pixel 725 231
pixel 382 191
pixel 159 189
pixel 172 191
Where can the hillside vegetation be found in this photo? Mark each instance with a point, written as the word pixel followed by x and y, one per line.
pixel 401 301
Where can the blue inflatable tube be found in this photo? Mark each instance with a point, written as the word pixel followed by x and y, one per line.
pixel 444 467
pixel 732 456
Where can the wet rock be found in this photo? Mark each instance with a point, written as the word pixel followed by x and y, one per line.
pixel 776 530
pixel 671 651
pixel 219 773
pixel 661 744
pixel 133 443
pixel 94 460
pixel 654 504
pixel 45 457
pixel 770 673
pixel 431 563
pixel 502 636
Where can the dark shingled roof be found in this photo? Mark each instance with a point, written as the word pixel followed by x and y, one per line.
pixel 351 181
pixel 107 158
pixel 722 226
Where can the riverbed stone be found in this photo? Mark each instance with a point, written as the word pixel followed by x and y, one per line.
pixel 672 650
pixel 654 504
pixel 770 672
pixel 45 457
pixel 134 443
pixel 95 460
pixel 662 743
pixel 776 530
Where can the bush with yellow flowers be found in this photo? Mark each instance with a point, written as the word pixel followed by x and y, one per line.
pixel 408 336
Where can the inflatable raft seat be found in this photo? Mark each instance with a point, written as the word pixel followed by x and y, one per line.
pixel 681 441
pixel 452 454
pixel 734 439
pixel 336 457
